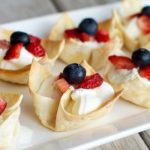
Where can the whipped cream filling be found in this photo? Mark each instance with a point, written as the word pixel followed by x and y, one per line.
pixel 24 59
pixel 91 44
pixel 119 76
pixel 132 29
pixel 88 100
pixel 2 53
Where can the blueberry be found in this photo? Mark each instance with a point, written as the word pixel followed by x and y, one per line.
pixel 146 11
pixel 141 57
pixel 88 26
pixel 18 37
pixel 74 73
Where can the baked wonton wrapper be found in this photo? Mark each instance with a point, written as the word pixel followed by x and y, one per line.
pixel 135 90
pixel 52 107
pixel 77 51
pixel 20 76
pixel 9 120
pixel 121 20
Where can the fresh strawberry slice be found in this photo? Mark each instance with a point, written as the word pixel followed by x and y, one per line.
pixel 60 76
pixel 71 33
pixel 4 44
pixel 36 49
pixel 84 37
pixel 134 15
pixel 145 72
pixel 102 36
pixel 34 39
pixel 3 105
pixel 144 24
pixel 62 85
pixel 91 82
pixel 121 62
pixel 14 51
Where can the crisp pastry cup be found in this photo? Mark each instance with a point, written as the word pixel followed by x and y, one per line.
pixel 135 89
pixel 121 20
pixel 77 51
pixel 52 107
pixel 9 120
pixel 20 76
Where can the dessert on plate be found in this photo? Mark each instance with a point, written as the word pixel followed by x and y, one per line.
pixel 18 49
pixel 133 75
pixel 133 22
pixel 9 119
pixel 71 99
pixel 85 41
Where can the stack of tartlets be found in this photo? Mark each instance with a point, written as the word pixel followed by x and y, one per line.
pixel 118 48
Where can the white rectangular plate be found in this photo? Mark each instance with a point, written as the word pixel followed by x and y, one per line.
pixel 125 118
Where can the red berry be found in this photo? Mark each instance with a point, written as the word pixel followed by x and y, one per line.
pixel 134 15
pixel 71 33
pixel 102 36
pixel 84 37
pixel 14 51
pixel 36 49
pixel 3 105
pixel 4 44
pixel 121 62
pixel 145 72
pixel 91 82
pixel 62 85
pixel 34 39
pixel 144 24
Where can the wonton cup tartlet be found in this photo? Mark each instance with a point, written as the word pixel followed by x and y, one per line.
pixel 122 19
pixel 52 107
pixel 135 88
pixel 20 76
pixel 9 120
pixel 76 51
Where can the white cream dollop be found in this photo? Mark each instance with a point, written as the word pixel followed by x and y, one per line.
pixel 88 100
pixel 119 76
pixel 132 29
pixel 2 52
pixel 24 59
pixel 91 44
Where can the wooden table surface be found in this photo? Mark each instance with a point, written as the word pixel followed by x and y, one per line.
pixel 12 10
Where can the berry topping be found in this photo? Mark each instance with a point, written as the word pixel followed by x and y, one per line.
pixel 84 37
pixel 141 57
pixel 3 105
pixel 4 44
pixel 34 39
pixel 19 37
pixel 91 82
pixel 71 33
pixel 145 72
pixel 36 49
pixel 74 73
pixel 121 62
pixel 14 51
pixel 134 15
pixel 102 36
pixel 144 24
pixel 146 11
pixel 62 85
pixel 88 26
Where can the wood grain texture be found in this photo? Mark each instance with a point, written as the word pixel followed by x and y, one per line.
pixel 64 5
pixel 129 143
pixel 11 10
pixel 146 137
